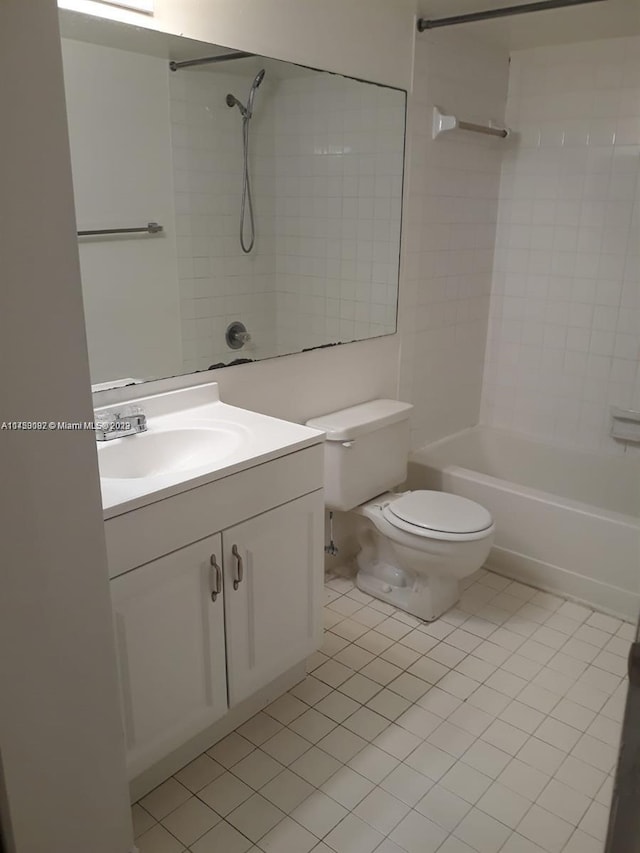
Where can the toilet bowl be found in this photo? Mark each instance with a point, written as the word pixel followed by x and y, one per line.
pixel 415 547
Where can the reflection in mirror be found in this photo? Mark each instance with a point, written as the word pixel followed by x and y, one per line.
pixel 278 190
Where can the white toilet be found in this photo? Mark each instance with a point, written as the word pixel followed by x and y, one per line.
pixel 415 547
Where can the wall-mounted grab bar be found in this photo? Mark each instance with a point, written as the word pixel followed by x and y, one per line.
pixel 149 228
pixel 442 123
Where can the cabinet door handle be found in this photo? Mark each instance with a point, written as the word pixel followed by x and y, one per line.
pixel 239 567
pixel 217 578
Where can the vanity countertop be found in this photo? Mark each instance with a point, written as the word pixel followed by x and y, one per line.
pixel 192 439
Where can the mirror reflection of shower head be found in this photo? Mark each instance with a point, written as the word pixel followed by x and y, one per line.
pixel 246 204
pixel 257 80
pixel 232 101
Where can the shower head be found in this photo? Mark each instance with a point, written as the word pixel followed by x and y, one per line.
pixel 257 80
pixel 246 204
pixel 232 101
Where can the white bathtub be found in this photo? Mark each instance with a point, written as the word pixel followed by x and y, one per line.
pixel 566 521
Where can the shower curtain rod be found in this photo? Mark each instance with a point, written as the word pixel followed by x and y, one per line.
pixel 206 60
pixel 506 11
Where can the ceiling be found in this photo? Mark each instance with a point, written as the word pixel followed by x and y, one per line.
pixel 606 19
pixel 75 25
pixel 102 31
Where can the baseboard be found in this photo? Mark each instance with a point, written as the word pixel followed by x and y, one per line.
pixel 176 760
pixel 592 593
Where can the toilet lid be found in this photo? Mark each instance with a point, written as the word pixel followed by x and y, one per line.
pixel 440 511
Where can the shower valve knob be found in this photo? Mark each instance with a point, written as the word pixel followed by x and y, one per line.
pixel 236 335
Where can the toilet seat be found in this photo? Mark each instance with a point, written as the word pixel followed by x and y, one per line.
pixel 438 515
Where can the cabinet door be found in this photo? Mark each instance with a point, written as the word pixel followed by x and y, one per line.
pixel 273 617
pixel 171 650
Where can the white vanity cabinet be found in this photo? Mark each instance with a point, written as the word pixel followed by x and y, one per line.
pixel 271 618
pixel 228 607
pixel 170 644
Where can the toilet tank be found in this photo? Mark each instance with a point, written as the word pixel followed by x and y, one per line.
pixel 366 451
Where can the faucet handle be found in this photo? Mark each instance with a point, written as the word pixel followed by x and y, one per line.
pixel 129 420
pixel 104 417
pixel 129 411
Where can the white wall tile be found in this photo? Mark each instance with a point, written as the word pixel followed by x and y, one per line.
pixel 315 274
pixel 566 245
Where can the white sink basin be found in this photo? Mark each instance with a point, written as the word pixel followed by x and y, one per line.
pixel 166 451
pixel 192 439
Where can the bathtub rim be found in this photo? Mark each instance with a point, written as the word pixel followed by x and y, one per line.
pixel 527 436
pixel 539 495
pixel 554 576
pixel 511 487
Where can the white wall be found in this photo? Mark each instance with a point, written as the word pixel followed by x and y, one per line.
pixel 451 202
pixel 565 312
pixel 118 109
pixel 61 741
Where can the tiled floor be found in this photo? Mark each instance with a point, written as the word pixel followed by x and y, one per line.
pixel 494 728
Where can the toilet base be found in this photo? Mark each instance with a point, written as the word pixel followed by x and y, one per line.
pixel 424 596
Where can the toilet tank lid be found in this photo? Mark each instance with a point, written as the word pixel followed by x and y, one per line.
pixel 347 424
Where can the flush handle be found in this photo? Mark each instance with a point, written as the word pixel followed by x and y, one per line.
pixel 216 579
pixel 239 567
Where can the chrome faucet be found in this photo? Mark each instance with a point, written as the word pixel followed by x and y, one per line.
pixel 130 421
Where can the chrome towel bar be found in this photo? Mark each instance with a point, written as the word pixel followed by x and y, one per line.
pixel 442 123
pixel 149 228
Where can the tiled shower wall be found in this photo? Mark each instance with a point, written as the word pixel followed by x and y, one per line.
pixel 565 313
pixel 218 283
pixel 339 164
pixel 449 232
pixel 326 160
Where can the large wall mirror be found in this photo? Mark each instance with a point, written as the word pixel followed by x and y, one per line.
pixel 276 189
